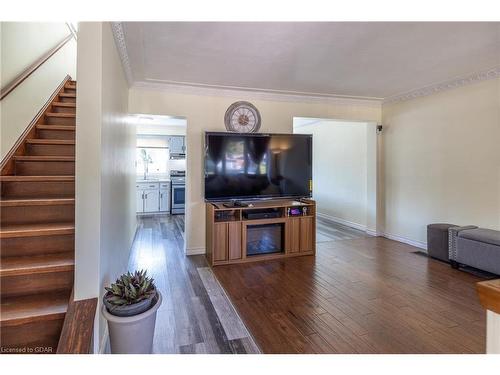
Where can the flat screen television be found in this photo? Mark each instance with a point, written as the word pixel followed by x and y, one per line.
pixel 253 166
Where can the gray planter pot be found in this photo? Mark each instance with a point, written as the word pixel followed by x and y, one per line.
pixel 130 310
pixel 132 334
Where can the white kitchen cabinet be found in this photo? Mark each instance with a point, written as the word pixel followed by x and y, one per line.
pixel 164 200
pixel 151 200
pixel 164 196
pixel 153 197
pixel 139 199
pixel 176 144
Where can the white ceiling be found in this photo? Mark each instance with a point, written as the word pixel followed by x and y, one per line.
pixel 336 58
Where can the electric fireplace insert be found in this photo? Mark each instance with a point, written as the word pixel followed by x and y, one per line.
pixel 265 239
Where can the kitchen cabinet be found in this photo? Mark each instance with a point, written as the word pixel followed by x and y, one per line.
pixel 164 197
pixel 151 200
pixel 139 199
pixel 176 144
pixel 153 197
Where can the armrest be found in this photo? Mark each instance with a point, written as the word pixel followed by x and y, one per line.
pixel 452 239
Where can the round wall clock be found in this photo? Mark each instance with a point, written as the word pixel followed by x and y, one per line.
pixel 242 117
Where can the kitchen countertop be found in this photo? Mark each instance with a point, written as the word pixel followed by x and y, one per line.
pixel 153 180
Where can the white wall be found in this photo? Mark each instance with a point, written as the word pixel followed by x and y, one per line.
pixel 206 113
pixel 339 169
pixel 105 167
pixel 442 160
pixel 21 46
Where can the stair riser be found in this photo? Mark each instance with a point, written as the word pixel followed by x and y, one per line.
pixel 45 168
pixel 58 109
pixel 66 100
pixel 56 134
pixel 50 150
pixel 33 246
pixel 34 292
pixel 37 214
pixel 36 283
pixel 60 121
pixel 36 189
pixel 42 335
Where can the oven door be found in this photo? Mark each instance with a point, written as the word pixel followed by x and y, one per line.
pixel 178 198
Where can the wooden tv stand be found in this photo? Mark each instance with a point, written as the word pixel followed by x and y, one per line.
pixel 228 230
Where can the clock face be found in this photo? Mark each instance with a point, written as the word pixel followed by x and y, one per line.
pixel 242 117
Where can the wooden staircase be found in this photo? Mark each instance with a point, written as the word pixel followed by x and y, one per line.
pixel 37 226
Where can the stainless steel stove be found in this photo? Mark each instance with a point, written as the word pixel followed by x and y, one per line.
pixel 177 192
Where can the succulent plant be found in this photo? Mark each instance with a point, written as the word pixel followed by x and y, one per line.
pixel 130 289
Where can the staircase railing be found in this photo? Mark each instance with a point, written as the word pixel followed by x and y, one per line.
pixel 78 329
pixel 7 163
pixel 21 77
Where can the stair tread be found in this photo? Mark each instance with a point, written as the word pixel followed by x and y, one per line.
pixel 37 178
pixel 38 307
pixel 57 127
pixel 64 104
pixel 36 202
pixel 27 265
pixel 38 229
pixel 40 141
pixel 68 94
pixel 60 114
pixel 43 158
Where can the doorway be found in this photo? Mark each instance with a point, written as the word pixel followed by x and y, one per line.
pixel 161 170
pixel 344 175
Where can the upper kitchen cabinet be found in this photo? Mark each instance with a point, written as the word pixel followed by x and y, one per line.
pixel 177 146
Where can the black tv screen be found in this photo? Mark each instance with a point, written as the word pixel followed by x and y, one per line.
pixel 249 166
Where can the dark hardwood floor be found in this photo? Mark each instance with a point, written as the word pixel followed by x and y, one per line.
pixel 358 295
pixel 196 315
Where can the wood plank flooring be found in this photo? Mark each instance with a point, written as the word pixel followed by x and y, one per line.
pixel 196 315
pixel 360 294
pixel 327 231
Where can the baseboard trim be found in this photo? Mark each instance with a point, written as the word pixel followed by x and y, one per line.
pixel 371 232
pixel 374 233
pixel 420 244
pixel 195 251
pixel 338 220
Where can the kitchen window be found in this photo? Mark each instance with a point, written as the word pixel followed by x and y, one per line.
pixel 155 159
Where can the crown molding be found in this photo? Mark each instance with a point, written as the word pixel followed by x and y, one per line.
pixel 446 85
pixel 256 94
pixel 117 29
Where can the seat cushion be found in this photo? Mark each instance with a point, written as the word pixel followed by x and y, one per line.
pixel 482 235
pixel 440 226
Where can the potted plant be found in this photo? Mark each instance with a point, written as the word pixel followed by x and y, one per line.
pixel 130 306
